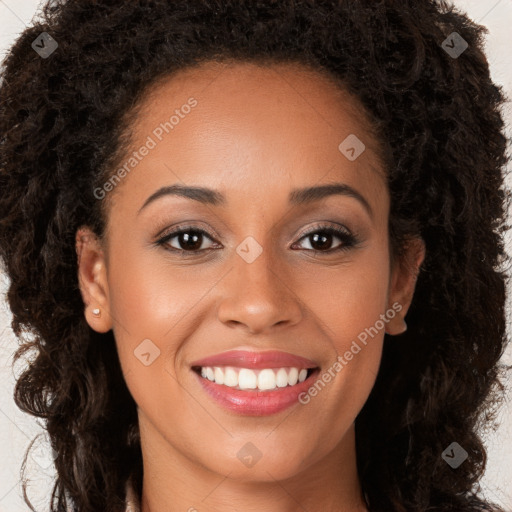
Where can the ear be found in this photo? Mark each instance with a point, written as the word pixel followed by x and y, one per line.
pixel 403 283
pixel 92 279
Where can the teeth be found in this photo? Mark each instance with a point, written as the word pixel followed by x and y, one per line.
pixel 282 378
pixel 293 376
pixel 246 379
pixel 230 377
pixel 263 380
pixel 219 375
pixel 267 379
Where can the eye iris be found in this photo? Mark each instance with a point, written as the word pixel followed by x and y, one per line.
pixel 323 238
pixel 190 241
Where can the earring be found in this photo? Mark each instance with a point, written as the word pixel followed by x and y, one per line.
pixel 96 312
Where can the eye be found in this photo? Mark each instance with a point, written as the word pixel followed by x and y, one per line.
pixel 321 239
pixel 188 239
pixel 191 239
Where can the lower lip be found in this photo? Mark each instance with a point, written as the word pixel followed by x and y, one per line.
pixel 256 403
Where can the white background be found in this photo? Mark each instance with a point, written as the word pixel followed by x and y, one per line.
pixel 18 429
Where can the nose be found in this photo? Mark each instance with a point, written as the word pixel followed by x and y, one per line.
pixel 259 296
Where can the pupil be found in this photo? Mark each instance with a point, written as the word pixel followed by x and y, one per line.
pixel 324 239
pixel 190 242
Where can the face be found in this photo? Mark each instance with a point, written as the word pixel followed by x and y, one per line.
pixel 245 226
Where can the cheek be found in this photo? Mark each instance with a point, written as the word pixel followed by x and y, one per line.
pixel 147 302
pixel 350 297
pixel 349 304
pixel 149 305
pixel 147 296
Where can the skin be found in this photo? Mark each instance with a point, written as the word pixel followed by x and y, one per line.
pixel 255 134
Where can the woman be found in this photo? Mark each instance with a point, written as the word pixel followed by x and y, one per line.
pixel 216 217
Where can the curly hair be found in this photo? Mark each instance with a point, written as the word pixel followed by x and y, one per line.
pixel 63 126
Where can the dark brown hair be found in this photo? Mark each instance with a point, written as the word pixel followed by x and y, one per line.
pixel 437 115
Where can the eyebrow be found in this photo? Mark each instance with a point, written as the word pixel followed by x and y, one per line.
pixel 299 196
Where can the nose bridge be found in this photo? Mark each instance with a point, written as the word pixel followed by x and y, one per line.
pixel 257 293
pixel 258 266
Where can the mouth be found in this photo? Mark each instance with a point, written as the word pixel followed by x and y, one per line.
pixel 255 401
pixel 255 383
pixel 246 379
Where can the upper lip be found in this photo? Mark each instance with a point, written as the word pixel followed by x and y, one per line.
pixel 255 360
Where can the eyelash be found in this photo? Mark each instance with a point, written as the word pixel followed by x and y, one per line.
pixel 348 240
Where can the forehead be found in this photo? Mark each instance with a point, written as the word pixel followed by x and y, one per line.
pixel 248 87
pixel 280 120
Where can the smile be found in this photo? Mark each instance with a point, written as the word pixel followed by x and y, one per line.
pixel 246 378
pixel 255 383
pixel 271 398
